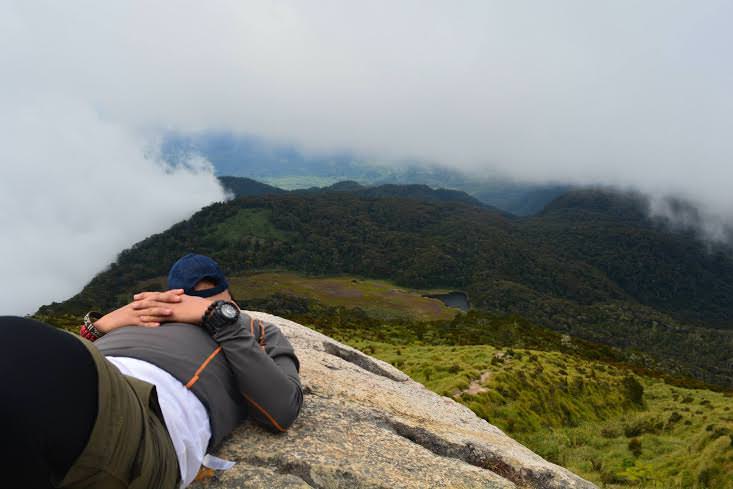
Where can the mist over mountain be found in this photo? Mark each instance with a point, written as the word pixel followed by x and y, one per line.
pixel 289 167
pixel 563 94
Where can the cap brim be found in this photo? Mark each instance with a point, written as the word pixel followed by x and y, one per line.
pixel 218 289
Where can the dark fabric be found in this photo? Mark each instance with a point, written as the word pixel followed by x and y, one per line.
pixel 241 380
pixel 266 373
pixel 180 349
pixel 48 403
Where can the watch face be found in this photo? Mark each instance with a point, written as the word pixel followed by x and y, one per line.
pixel 228 311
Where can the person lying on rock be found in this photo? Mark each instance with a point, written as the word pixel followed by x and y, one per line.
pixel 147 392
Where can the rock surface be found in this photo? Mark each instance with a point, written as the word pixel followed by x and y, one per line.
pixel 365 424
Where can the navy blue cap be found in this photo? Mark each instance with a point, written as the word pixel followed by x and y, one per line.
pixel 191 269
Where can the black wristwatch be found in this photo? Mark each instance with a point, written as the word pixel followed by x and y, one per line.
pixel 218 315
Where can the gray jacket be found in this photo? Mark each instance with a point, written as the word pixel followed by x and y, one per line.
pixel 247 369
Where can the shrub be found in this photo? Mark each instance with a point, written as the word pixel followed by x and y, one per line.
pixel 428 372
pixel 647 424
pixel 611 478
pixel 633 390
pixel 707 477
pixel 635 446
pixel 719 431
pixel 674 418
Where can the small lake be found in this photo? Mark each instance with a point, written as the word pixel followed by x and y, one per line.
pixel 455 299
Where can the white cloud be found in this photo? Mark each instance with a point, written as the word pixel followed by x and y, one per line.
pixel 625 93
pixel 75 191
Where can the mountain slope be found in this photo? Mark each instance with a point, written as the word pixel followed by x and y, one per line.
pixel 671 271
pixel 365 424
pixel 575 403
pixel 571 268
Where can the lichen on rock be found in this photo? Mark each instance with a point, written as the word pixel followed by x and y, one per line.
pixel 365 425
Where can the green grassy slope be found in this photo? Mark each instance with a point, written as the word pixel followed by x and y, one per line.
pixel 379 298
pixel 585 406
pixel 580 405
pixel 585 415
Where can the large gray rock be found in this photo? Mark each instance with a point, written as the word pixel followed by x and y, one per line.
pixel 365 424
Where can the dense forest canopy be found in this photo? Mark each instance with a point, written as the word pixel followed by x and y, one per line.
pixel 592 264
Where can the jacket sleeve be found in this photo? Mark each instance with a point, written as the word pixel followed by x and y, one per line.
pixel 266 370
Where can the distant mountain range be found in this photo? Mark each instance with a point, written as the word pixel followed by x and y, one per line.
pixel 247 187
pixel 591 264
pixel 287 167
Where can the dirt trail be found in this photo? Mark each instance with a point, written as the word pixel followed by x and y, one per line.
pixel 476 386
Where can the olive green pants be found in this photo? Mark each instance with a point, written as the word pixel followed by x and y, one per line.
pixel 129 446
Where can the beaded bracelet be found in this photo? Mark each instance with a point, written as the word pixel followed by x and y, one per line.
pixel 84 333
pixel 89 319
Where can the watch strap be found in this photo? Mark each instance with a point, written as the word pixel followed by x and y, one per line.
pixel 206 318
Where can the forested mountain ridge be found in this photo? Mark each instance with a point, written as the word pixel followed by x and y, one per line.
pixel 412 191
pixel 246 187
pixel 585 274
pixel 671 271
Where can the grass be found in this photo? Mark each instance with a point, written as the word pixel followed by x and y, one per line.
pixel 583 415
pixel 378 298
pixel 249 223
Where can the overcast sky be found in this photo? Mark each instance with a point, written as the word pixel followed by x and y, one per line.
pixel 635 94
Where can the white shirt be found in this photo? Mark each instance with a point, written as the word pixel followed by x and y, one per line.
pixel 185 415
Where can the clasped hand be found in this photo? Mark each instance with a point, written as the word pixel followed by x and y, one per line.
pixel 150 309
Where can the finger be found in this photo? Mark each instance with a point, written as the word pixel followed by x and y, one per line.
pixel 148 304
pixel 149 319
pixel 153 294
pixel 169 297
pixel 140 304
pixel 157 313
pixel 150 324
pixel 143 295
